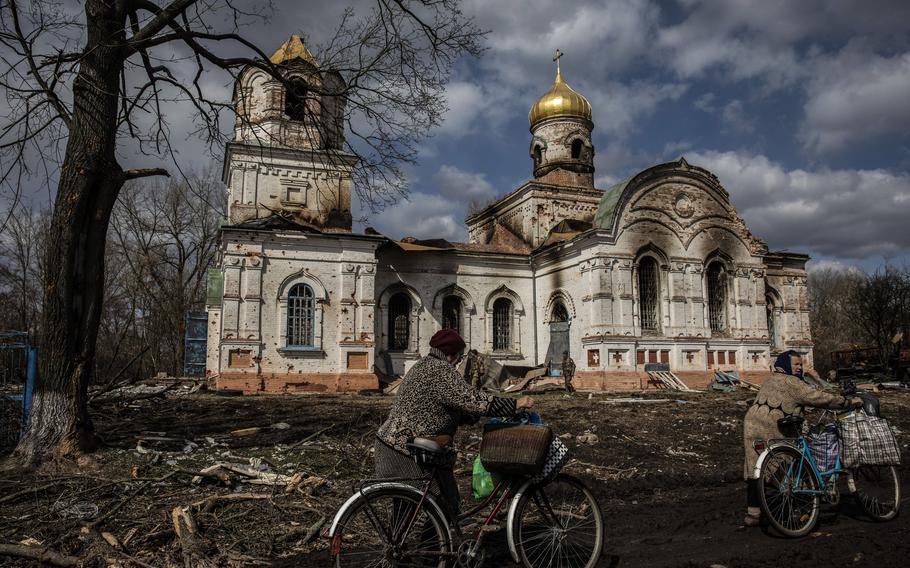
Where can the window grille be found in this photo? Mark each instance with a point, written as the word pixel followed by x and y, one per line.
pixel 399 321
pixel 717 297
pixel 451 313
pixel 560 313
pixel 301 316
pixel 502 325
pixel 647 294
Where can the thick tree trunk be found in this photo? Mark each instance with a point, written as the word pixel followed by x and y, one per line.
pixel 90 179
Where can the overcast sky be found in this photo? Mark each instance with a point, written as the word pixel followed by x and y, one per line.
pixel 800 107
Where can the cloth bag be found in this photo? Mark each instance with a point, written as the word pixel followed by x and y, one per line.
pixel 825 448
pixel 867 440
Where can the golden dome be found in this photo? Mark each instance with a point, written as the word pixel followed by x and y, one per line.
pixel 292 49
pixel 559 101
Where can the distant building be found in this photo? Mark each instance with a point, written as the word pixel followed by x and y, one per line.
pixel 657 268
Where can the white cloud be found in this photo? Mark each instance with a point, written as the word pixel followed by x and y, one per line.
pixel 465 103
pixel 843 213
pixel 424 216
pixel 856 95
pixel 618 106
pixel 461 185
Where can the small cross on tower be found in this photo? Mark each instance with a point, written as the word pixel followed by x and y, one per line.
pixel 556 58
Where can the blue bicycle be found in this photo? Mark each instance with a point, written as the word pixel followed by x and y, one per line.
pixel 793 486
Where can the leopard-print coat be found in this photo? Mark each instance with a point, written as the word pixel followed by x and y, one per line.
pixel 781 395
pixel 433 399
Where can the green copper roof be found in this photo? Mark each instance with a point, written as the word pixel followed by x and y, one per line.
pixel 606 210
pixel 603 219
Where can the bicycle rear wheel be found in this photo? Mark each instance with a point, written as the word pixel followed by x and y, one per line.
pixel 558 524
pixel 878 490
pixel 784 497
pixel 381 530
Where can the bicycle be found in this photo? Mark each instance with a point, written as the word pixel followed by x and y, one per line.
pixel 391 523
pixel 792 486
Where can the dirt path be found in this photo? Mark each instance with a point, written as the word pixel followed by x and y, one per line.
pixel 667 475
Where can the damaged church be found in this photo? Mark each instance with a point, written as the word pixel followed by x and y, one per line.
pixel 658 268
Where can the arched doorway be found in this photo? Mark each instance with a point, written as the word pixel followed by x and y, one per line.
pixel 559 336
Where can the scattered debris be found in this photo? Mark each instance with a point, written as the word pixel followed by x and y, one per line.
pixel 660 375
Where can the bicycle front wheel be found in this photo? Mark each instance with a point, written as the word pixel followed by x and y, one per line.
pixel 558 524
pixel 382 529
pixel 789 495
pixel 878 490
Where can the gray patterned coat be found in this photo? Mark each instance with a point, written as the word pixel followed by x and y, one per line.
pixel 433 399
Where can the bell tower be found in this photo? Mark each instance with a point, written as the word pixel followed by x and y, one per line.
pixel 287 157
pixel 561 148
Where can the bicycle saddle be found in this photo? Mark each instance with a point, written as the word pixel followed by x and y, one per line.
pixel 790 422
pixel 426 445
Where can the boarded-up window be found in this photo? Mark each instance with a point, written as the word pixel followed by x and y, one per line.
pixel 732 357
pixel 652 356
pixel 451 313
pixel 640 357
pixel 664 356
pixel 722 357
pixel 648 287
pixel 239 358
pixel 357 360
pixel 710 357
pixel 717 297
pixel 301 316
pixel 502 325
pixel 399 321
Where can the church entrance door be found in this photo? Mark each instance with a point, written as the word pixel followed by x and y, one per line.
pixel 559 344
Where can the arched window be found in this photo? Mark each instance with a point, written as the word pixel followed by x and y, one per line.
pixel 502 325
pixel 560 313
pixel 538 154
pixel 399 321
pixel 717 297
pixel 576 149
pixel 301 316
pixel 648 287
pixel 295 99
pixel 451 313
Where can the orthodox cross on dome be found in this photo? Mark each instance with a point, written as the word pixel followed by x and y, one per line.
pixel 556 58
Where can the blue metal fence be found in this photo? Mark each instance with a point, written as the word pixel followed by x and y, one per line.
pixel 18 368
pixel 194 343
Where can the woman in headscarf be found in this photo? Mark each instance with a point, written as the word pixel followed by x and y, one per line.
pixel 784 393
pixel 432 401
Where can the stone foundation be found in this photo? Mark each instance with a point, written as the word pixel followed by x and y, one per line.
pixel 302 382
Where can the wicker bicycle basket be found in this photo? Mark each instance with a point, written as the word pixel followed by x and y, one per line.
pixel 515 449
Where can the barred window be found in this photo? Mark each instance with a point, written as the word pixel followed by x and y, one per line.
pixel 399 321
pixel 560 313
pixel 451 313
pixel 502 325
pixel 648 286
pixel 301 316
pixel 717 297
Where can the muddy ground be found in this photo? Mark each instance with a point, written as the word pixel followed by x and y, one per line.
pixel 667 476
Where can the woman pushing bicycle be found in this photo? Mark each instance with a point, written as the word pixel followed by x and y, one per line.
pixel 432 401
pixel 784 393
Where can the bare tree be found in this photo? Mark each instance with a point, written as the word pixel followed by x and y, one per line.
pixel 96 80
pixel 166 237
pixel 879 304
pixel 22 246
